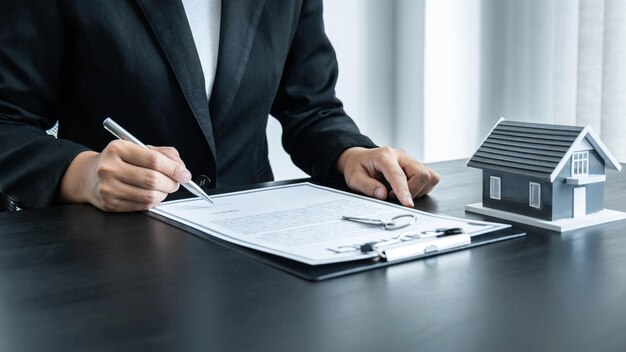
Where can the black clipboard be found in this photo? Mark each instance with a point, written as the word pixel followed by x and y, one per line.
pixel 330 271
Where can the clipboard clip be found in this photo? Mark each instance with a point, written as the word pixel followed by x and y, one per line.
pixel 408 245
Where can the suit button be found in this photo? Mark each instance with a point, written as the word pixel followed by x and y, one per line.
pixel 203 181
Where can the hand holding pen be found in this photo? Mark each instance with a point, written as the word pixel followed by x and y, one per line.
pixel 121 133
pixel 123 177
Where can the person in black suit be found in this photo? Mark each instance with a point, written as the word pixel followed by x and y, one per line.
pixel 77 62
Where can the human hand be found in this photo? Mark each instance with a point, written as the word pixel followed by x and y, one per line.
pixel 123 177
pixel 364 169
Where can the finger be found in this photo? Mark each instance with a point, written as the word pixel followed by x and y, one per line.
pixel 122 206
pixel 146 179
pixel 169 152
pixel 434 180
pixel 117 196
pixel 131 193
pixel 154 160
pixel 396 177
pixel 361 181
pixel 420 178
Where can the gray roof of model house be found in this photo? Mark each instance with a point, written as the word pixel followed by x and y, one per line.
pixel 534 149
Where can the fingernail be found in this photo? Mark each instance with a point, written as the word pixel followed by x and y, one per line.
pixel 186 176
pixel 379 193
pixel 410 200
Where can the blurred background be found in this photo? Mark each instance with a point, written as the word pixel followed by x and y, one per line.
pixel 433 76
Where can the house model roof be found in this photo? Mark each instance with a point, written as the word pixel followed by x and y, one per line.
pixel 535 149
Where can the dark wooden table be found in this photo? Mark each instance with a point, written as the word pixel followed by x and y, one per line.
pixel 73 278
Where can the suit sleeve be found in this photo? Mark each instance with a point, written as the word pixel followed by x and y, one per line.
pixel 316 129
pixel 32 69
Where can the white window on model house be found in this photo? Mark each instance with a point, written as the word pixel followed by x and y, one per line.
pixel 580 163
pixel 494 187
pixel 534 195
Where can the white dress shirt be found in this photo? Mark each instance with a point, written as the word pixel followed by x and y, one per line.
pixel 204 18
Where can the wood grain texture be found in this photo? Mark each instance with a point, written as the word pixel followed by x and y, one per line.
pixel 73 278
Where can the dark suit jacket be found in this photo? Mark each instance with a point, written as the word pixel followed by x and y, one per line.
pixel 77 62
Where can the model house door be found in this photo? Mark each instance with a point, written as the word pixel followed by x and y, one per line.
pixel 580 201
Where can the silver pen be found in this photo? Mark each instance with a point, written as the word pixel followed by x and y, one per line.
pixel 121 133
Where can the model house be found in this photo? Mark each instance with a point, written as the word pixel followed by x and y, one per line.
pixel 543 171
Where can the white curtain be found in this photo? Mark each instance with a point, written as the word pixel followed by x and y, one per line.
pixel 551 61
pixel 611 119
pixel 558 61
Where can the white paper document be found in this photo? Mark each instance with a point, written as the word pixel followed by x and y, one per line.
pixel 303 221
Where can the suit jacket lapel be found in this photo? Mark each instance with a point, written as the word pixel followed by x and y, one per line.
pixel 237 30
pixel 170 25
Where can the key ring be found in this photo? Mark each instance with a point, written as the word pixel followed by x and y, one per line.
pixel 396 222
